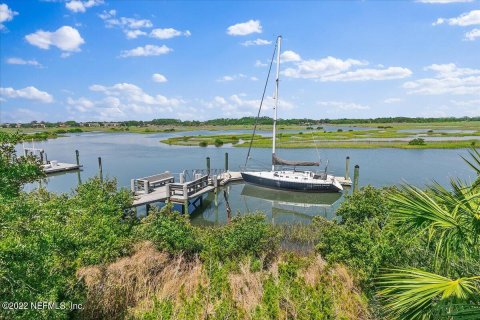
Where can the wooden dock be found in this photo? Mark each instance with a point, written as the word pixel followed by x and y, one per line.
pixel 56 167
pixel 162 188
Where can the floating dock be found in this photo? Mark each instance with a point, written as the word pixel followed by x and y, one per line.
pixel 56 167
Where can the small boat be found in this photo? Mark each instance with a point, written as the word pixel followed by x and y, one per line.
pixel 295 180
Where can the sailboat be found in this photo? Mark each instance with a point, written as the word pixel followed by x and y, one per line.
pixel 295 180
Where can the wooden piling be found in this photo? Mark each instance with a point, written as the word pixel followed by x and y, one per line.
pixel 100 169
pixel 182 177
pixel 356 174
pixel 41 156
pixel 347 168
pixel 226 161
pixel 77 156
pixel 208 166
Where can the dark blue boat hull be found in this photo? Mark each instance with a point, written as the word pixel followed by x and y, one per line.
pixel 289 185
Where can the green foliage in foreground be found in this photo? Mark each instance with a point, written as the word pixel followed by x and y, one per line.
pixel 15 171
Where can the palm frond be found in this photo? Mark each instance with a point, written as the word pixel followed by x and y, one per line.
pixel 474 163
pixel 414 294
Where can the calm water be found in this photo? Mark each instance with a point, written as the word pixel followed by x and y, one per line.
pixel 127 155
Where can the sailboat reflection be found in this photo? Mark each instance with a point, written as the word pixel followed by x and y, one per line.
pixel 280 206
pixel 289 207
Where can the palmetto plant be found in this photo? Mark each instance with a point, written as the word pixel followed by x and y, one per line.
pixel 450 222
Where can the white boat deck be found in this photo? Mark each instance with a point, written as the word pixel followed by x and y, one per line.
pixel 56 167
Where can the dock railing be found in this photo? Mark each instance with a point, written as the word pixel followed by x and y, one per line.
pixel 185 190
pixel 147 184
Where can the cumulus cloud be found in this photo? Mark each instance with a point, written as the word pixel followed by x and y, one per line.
pixel 344 106
pixel 237 105
pixel 245 28
pixel 145 51
pixel 335 69
pixel 21 61
pixel 259 63
pixel 81 6
pixel 447 79
pixel 257 42
pixel 30 93
pixel 65 38
pixel 168 33
pixel 133 34
pixel 472 35
pixel 111 20
pixel 289 56
pixel 6 14
pixel 157 77
pixel 235 77
pixel 122 101
pixel 465 19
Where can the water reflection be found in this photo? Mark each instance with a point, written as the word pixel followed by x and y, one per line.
pixel 279 206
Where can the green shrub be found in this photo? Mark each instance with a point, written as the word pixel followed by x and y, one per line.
pixel 170 231
pixel 417 142
pixel 74 130
pixel 203 144
pixel 339 130
pixel 61 131
pixel 248 235
pixel 218 142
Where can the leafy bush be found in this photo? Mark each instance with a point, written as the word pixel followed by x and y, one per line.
pixel 248 235
pixel 170 231
pixel 74 130
pixel 61 131
pixel 417 142
pixel 339 130
pixel 218 142
pixel 203 144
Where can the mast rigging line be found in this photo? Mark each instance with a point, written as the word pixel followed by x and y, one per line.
pixel 261 104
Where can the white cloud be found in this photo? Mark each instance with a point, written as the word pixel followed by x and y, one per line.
pixel 145 51
pixel 443 1
pixel 168 33
pixel 21 61
pixel 130 26
pixel 259 63
pixel 232 77
pixel 334 69
pixel 123 101
pixel 466 103
pixel 133 93
pixel 465 19
pixel 65 38
pixel 289 56
pixel 81 6
pixel 30 93
pixel 133 34
pixel 254 78
pixel 157 77
pixel 448 79
pixel 237 105
pixel 344 106
pixel 258 42
pixel 6 14
pixel 392 100
pixel 371 74
pixel 245 28
pixel 472 35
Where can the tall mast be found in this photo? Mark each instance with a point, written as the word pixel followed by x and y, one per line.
pixel 277 80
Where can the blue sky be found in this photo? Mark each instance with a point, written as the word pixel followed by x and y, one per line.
pixel 116 60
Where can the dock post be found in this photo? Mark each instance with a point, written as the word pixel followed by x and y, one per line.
pixel 167 190
pixel 147 187
pixel 41 156
pixel 208 166
pixel 77 156
pixel 46 158
pixel 100 169
pixel 356 173
pixel 182 177
pixel 132 185
pixel 347 168
pixel 226 161
pixel 185 198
